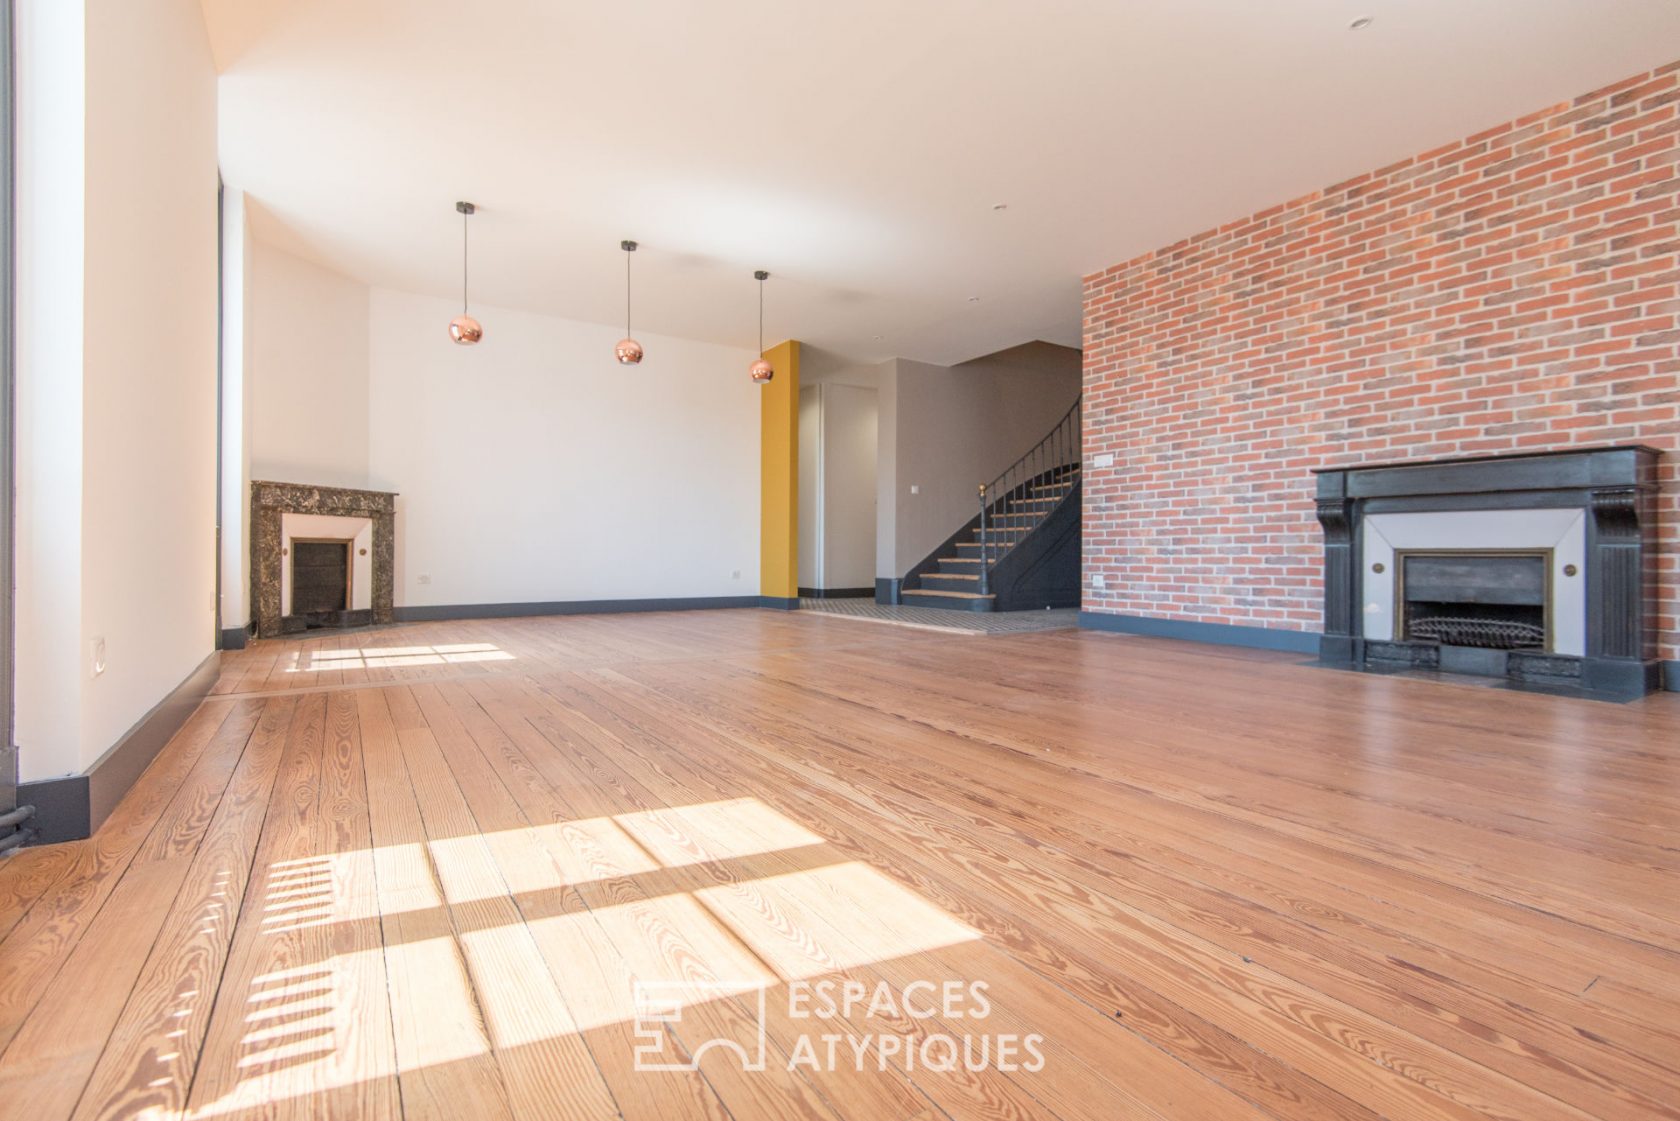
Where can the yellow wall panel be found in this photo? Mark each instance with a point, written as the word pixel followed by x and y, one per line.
pixel 778 533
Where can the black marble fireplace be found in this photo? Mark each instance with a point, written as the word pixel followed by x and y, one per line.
pixel 1529 568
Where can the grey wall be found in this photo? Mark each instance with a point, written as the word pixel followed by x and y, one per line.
pixel 838 484
pixel 810 485
pixel 850 426
pixel 945 430
pixel 957 427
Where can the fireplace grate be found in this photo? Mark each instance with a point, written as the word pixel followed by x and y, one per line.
pixel 1496 634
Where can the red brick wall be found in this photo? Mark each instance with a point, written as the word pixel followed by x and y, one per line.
pixel 1518 290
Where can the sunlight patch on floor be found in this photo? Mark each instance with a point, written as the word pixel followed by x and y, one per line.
pixel 480 975
pixel 394 657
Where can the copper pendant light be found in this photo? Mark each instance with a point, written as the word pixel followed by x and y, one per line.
pixel 464 329
pixel 628 351
pixel 761 370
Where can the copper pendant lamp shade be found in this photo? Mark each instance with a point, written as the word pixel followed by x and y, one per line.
pixel 464 329
pixel 761 370
pixel 628 351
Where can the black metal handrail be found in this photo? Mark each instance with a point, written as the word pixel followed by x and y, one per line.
pixel 1048 466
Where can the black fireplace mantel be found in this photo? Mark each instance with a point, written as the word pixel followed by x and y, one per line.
pixel 1616 486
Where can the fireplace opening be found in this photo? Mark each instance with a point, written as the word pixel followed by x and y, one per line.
pixel 1494 601
pixel 320 582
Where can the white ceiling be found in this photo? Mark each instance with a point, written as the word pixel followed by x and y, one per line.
pixel 855 148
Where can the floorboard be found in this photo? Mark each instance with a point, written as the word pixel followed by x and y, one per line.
pixel 598 867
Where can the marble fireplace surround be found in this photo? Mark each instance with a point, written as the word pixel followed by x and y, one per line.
pixel 271 501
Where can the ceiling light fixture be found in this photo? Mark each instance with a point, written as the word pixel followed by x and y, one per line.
pixel 628 350
pixel 1360 24
pixel 761 370
pixel 464 329
pixel 1000 206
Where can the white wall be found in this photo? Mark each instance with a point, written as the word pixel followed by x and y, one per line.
pixel 308 385
pixel 238 247
pixel 118 428
pixel 51 175
pixel 532 467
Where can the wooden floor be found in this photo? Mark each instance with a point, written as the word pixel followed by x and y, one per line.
pixel 498 869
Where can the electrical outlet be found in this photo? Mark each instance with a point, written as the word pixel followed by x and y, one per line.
pixel 423 578
pixel 96 657
pixel 1099 581
pixel 914 489
pixel 736 575
pixel 1104 460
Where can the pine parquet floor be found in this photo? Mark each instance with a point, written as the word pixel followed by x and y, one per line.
pixel 754 864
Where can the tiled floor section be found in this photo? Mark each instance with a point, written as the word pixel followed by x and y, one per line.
pixel 961 622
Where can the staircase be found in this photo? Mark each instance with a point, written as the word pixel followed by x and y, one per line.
pixel 1021 550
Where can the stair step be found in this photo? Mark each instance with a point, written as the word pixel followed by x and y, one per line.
pixel 959 560
pixel 950 575
pixel 950 601
pixel 946 582
pixel 951 595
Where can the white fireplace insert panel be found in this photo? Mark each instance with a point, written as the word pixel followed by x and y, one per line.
pixel 326 527
pixel 1564 532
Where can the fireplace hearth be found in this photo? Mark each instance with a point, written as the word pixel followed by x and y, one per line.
pixel 1528 568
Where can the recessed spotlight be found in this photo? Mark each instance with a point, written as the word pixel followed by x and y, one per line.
pixel 1000 206
pixel 877 338
pixel 1360 24
pixel 974 299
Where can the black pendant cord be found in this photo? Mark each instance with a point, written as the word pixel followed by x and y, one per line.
pixel 465 220
pixel 627 332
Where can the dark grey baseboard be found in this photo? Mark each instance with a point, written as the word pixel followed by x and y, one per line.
pixel 1222 634
pixel 836 593
pixel 438 612
pixel 235 638
pixel 778 603
pixel 1671 676
pixel 72 807
pixel 889 590
pixel 61 808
